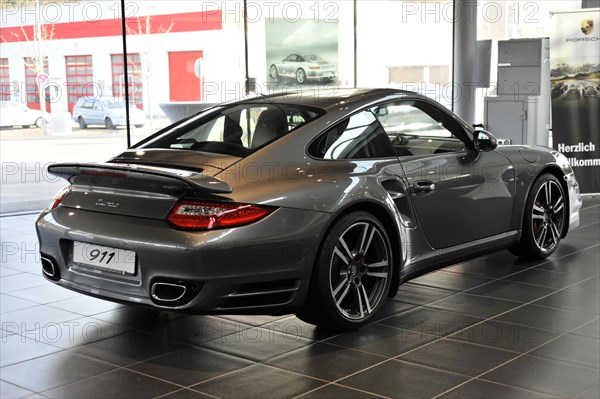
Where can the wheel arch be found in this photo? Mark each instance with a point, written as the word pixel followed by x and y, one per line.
pixel 385 217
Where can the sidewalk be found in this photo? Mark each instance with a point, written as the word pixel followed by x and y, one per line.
pixel 25 155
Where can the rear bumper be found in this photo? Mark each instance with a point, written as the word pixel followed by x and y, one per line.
pixel 264 265
pixel 312 74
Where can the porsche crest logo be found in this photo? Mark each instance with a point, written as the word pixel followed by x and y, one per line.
pixel 587 26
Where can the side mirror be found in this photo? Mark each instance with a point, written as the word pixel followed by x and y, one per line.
pixel 484 141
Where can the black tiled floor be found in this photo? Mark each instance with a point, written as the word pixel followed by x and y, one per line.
pixel 324 361
pixel 420 294
pixel 459 357
pixel 432 321
pixel 494 327
pixel 508 336
pixel 547 318
pixel 478 389
pixel 18 348
pixel 512 291
pixel 259 381
pixel 51 371
pixel 450 281
pixel 590 330
pixel 257 343
pixel 334 391
pixel 577 301
pixel 190 366
pixel 475 305
pixel 129 348
pixel 383 340
pixel 572 349
pixel 398 379
pixel 544 375
pixel 119 383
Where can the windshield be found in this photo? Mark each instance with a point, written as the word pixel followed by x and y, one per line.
pixel 237 130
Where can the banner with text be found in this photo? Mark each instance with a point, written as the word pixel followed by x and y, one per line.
pixel 575 78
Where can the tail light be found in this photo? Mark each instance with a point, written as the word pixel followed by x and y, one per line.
pixel 200 215
pixel 59 196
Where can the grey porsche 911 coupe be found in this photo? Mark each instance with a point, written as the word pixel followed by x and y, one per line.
pixel 316 204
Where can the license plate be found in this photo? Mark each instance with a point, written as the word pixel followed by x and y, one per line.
pixel 115 260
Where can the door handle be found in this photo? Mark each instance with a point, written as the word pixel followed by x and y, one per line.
pixel 423 187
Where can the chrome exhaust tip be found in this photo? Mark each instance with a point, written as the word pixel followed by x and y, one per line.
pixel 168 292
pixel 48 268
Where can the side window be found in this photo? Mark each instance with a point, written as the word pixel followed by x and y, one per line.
pixel 419 128
pixel 358 137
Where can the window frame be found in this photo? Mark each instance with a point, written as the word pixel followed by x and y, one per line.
pixel 459 130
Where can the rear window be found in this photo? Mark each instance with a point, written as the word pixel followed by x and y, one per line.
pixel 237 130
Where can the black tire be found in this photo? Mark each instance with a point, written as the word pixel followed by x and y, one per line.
pixel 139 126
pixel 38 123
pixel 544 219
pixel 352 274
pixel 515 250
pixel 82 124
pixel 109 124
pixel 273 72
pixel 300 76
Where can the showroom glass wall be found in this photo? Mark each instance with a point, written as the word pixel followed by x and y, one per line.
pixel 292 45
pixel 406 45
pixel 68 50
pixel 195 51
pixel 505 20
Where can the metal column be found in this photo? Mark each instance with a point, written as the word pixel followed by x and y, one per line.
pixel 465 58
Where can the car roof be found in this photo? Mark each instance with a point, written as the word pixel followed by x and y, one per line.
pixel 325 97
pixel 94 98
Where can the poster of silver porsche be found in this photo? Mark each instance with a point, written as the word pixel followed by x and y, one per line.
pixel 318 205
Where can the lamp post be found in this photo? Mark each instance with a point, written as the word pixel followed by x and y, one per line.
pixel 40 65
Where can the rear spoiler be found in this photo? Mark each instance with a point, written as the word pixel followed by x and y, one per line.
pixel 195 180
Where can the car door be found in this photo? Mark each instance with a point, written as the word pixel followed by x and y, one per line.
pixel 96 112
pixel 459 194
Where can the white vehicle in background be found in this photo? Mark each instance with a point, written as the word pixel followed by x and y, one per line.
pixel 13 113
pixel 106 111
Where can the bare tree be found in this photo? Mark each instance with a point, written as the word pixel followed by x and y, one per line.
pixel 41 33
pixel 148 52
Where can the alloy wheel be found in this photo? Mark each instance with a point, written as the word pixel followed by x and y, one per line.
pixel 359 270
pixel 547 216
pixel 273 71
pixel 300 76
